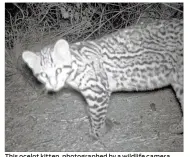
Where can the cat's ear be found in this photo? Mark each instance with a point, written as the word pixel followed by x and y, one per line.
pixel 31 59
pixel 61 52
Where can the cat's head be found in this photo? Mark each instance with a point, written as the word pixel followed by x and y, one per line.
pixel 51 66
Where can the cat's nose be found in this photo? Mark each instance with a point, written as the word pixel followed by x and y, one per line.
pixel 53 82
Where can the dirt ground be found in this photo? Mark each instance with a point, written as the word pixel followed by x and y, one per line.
pixel 35 122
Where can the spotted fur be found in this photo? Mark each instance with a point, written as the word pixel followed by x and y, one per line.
pixel 138 58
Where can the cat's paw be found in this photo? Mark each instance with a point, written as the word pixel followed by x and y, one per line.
pixel 104 129
pixel 94 134
pixel 177 128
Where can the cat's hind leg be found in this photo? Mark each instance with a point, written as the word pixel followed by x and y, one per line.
pixel 178 88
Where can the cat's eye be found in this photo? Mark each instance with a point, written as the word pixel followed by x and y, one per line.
pixel 43 74
pixel 58 71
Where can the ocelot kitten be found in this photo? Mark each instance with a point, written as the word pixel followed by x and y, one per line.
pixel 138 58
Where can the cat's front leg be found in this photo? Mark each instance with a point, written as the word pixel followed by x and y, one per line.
pixel 97 100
